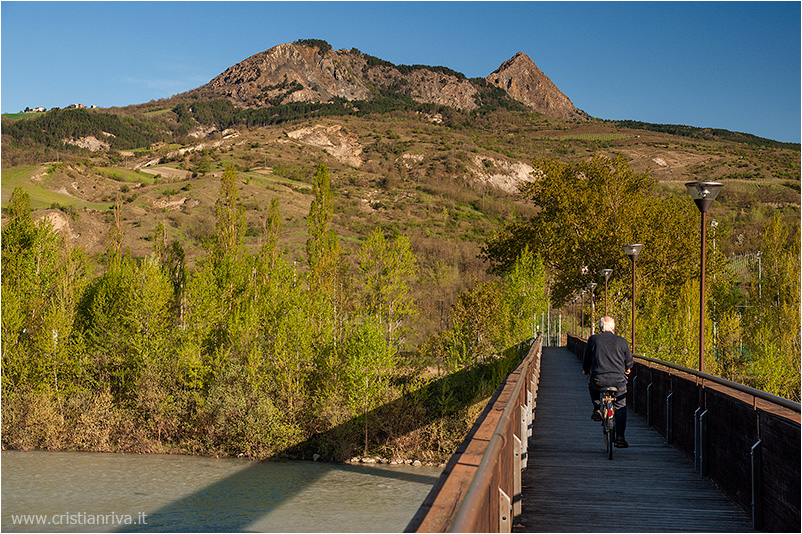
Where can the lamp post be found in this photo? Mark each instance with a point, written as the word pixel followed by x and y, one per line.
pixel 573 314
pixel 591 287
pixel 632 251
pixel 703 194
pixel 582 322
pixel 606 274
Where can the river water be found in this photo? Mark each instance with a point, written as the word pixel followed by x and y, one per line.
pixel 97 492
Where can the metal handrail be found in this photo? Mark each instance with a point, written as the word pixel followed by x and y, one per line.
pixel 775 399
pixel 472 502
pixel 781 401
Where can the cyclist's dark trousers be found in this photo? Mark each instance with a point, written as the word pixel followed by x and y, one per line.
pixel 620 404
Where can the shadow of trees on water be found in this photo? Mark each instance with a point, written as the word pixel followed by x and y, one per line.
pixel 240 500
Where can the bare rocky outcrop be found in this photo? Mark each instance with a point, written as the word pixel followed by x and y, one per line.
pixel 294 72
pixel 289 73
pixel 300 73
pixel 523 81
pixel 333 139
pixel 90 142
pixel 505 175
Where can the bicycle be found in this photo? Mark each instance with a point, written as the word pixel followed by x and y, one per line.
pixel 608 418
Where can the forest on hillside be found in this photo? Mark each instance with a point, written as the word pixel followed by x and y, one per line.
pixel 245 354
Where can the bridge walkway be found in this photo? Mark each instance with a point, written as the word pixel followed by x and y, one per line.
pixel 569 484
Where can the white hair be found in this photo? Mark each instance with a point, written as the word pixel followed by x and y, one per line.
pixel 606 324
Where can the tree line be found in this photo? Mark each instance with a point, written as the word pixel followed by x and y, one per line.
pixel 588 210
pixel 244 353
pixel 705 133
pixel 52 128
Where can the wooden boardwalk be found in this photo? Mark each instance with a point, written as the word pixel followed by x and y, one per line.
pixel 571 486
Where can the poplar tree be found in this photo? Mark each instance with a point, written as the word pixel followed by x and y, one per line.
pixel 43 279
pixel 526 294
pixel 387 268
pixel 772 329
pixel 326 276
pixel 219 286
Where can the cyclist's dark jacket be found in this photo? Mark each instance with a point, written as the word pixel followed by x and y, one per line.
pixel 607 358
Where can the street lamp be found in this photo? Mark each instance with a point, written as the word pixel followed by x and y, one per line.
pixel 703 194
pixel 606 274
pixel 632 251
pixel 591 287
pixel 582 322
pixel 573 312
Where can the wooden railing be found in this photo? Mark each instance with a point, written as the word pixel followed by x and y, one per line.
pixel 746 440
pixel 480 487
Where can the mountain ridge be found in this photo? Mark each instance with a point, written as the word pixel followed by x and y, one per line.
pixel 311 71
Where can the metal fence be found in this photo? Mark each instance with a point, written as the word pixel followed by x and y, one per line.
pixel 744 439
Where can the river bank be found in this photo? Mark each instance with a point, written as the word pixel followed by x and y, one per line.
pixel 357 460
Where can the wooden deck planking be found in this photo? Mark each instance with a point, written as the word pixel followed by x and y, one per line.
pixel 571 486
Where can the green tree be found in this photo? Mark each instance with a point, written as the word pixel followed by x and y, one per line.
pixel 387 269
pixel 585 212
pixel 773 320
pixel 322 242
pixel 230 225
pixel 526 286
pixel 218 294
pixel 369 365
pixel 43 279
pixel 481 320
pixel 125 319
pixel 328 279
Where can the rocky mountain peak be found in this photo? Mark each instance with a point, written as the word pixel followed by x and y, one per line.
pixel 523 81
pixel 313 72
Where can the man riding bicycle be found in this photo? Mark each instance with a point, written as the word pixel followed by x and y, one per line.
pixel 608 361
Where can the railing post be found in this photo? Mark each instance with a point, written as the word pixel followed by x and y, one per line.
pixel 701 433
pixel 670 418
pixel 530 406
pixel 523 442
pixel 649 421
pixel 635 394
pixel 518 466
pixel 697 437
pixel 504 512
pixel 756 455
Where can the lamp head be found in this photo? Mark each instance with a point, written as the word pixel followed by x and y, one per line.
pixel 703 193
pixel 606 273
pixel 592 286
pixel 632 250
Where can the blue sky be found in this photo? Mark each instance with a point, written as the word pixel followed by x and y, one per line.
pixel 732 65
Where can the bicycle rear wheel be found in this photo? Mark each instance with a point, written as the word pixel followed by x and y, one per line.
pixel 609 430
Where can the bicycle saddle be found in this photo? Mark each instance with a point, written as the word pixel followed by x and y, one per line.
pixel 611 389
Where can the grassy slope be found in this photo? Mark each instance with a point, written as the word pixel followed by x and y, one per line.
pixel 446 215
